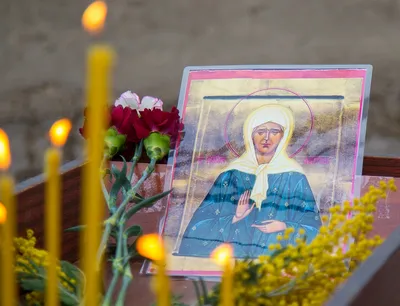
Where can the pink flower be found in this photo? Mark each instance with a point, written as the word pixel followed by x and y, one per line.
pixel 132 100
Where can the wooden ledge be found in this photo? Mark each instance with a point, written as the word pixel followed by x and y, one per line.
pixel 381 166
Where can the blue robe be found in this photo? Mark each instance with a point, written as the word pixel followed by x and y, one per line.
pixel 289 199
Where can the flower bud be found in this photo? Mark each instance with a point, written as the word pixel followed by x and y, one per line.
pixel 111 132
pixel 157 145
pixel 113 142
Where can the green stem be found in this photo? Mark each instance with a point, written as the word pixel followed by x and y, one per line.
pixel 127 272
pixel 104 241
pixel 117 268
pixel 124 288
pixel 122 241
pixel 132 192
pixel 111 287
pixel 135 159
pixel 103 186
pixel 117 215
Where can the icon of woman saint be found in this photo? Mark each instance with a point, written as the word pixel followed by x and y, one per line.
pixel 257 196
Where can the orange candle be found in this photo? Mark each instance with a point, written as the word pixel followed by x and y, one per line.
pixel 58 136
pixel 8 228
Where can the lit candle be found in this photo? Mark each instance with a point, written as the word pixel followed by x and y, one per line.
pixel 8 294
pixel 222 256
pixel 58 136
pixel 100 59
pixel 151 246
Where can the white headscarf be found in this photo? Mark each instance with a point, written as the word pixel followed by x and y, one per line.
pixel 279 163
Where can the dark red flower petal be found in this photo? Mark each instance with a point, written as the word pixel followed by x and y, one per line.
pixel 167 123
pixel 117 115
pixel 142 130
pixel 121 119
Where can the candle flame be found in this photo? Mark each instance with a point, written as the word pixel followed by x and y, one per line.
pixel 5 155
pixel 59 132
pixel 151 246
pixel 94 17
pixel 222 254
pixel 3 213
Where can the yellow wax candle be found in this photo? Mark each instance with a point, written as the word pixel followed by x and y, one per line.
pixel 162 284
pixel 227 285
pixel 151 246
pixel 8 228
pixel 99 63
pixel 222 256
pixel 58 135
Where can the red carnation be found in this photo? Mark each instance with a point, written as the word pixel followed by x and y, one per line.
pixel 122 118
pixel 156 120
pixel 159 130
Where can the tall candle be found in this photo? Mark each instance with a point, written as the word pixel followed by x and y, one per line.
pixel 163 285
pixel 227 285
pixel 99 62
pixel 151 246
pixel 58 135
pixel 222 256
pixel 8 228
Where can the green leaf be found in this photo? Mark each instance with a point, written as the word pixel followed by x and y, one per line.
pixel 68 269
pixel 37 282
pixel 124 180
pixel 77 228
pixel 27 267
pixel 145 203
pixel 121 181
pixel 39 269
pixel 24 275
pixel 137 198
pixel 33 284
pixel 114 171
pixel 116 187
pixel 134 230
pixel 124 167
pixel 73 272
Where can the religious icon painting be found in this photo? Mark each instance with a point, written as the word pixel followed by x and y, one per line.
pixel 266 148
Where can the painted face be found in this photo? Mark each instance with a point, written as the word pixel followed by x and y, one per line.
pixel 266 138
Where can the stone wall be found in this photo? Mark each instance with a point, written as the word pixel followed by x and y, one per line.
pixel 42 55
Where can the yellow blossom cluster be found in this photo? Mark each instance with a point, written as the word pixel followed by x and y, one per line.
pixel 307 274
pixel 28 259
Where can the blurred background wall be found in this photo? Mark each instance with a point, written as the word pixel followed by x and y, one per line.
pixel 42 56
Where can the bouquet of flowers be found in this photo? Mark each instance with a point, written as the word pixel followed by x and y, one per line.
pixel 134 125
pixel 132 120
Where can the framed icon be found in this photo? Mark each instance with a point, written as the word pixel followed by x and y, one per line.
pixel 266 148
